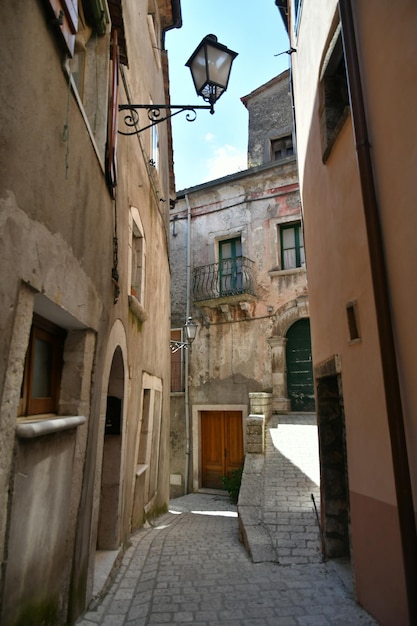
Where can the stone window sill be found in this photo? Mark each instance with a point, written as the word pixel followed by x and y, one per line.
pixel 295 270
pixel 137 309
pixel 141 469
pixel 45 425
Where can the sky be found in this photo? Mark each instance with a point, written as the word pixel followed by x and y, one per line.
pixel 216 145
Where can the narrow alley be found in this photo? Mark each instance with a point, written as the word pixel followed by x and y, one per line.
pixel 189 566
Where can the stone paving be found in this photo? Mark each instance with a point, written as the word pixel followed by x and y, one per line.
pixel 190 568
pixel 277 512
pixel 291 478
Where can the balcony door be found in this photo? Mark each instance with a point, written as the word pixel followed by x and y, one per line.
pixel 230 264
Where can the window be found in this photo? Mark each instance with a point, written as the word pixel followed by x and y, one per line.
pixel 89 70
pixel 230 266
pixel 281 148
pixel 43 367
pixel 292 246
pixel 137 264
pixel 352 318
pixel 148 451
pixel 111 149
pixel 297 8
pixel 154 30
pixel 66 19
pixel 334 96
pixel 137 271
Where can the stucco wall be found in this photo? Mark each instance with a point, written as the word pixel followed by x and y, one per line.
pixel 339 270
pixel 59 226
pixel 39 529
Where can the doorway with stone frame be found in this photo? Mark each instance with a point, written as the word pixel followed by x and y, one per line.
pixel 221 446
pixel 240 413
pixel 285 317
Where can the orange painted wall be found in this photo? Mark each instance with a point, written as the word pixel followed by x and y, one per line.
pixel 338 267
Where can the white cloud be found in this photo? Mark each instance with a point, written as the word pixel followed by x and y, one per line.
pixel 226 160
pixel 209 137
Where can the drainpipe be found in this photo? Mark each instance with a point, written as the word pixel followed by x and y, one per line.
pixel 395 415
pixel 187 358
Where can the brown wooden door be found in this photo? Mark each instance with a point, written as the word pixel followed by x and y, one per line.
pixel 221 446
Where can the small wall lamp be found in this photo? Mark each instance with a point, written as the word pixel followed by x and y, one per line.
pixel 210 66
pixel 190 331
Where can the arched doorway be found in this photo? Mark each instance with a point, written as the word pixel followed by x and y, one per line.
pixel 108 536
pixel 300 386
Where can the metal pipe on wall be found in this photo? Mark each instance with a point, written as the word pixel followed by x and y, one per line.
pixel 395 415
pixel 186 357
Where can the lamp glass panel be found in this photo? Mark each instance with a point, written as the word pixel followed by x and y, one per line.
pixel 198 71
pixel 191 330
pixel 219 65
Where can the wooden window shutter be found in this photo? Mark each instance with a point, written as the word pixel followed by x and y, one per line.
pixel 66 18
pixel 111 165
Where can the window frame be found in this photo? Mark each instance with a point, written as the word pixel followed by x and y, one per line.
pixel 281 139
pixel 112 127
pixel 235 272
pixel 298 5
pixel 334 103
pixel 154 29
pixel 137 260
pixel 66 19
pixel 46 331
pixel 298 229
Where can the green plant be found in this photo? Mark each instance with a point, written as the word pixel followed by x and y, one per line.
pixel 232 482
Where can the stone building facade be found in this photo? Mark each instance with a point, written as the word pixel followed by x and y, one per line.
pixel 271 129
pixel 239 242
pixel 356 145
pixel 84 295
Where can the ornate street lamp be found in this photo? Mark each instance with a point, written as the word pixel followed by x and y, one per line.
pixel 190 331
pixel 210 66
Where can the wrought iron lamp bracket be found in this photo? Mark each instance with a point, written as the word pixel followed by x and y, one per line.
pixel 155 115
pixel 178 345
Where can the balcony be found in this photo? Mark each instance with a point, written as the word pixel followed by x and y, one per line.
pixel 231 281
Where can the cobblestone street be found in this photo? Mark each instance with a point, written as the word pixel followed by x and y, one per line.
pixel 189 568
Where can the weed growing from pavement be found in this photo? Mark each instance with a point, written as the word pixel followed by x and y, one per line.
pixel 232 482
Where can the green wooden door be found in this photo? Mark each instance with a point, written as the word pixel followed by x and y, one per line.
pixel 300 387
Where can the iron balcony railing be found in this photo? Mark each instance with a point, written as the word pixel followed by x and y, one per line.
pixel 230 277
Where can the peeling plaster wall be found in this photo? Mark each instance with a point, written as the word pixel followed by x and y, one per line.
pixel 231 355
